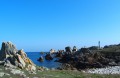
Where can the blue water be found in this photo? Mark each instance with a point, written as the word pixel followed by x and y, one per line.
pixel 49 64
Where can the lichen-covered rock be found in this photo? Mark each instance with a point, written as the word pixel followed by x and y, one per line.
pixel 31 67
pixel 7 49
pixel 21 61
pixel 22 53
pixel 10 56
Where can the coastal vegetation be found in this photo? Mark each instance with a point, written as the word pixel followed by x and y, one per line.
pixel 52 74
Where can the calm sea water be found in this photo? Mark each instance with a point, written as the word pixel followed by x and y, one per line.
pixel 49 64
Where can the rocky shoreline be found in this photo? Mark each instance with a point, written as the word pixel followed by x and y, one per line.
pixel 85 58
pixel 16 62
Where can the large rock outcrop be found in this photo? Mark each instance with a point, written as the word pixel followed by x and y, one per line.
pixel 10 56
pixel 85 58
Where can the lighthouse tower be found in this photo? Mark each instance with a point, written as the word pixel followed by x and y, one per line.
pixel 98 45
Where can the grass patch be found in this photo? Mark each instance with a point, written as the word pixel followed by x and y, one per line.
pixel 57 74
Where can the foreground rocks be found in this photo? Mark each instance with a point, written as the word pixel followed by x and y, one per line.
pixel 13 58
pixel 15 63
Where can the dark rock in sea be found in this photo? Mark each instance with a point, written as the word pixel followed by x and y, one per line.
pixel 41 52
pixel 41 59
pixel 48 57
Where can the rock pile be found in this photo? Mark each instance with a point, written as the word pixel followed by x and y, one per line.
pixel 85 58
pixel 11 57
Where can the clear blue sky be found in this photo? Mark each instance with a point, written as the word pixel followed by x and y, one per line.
pixel 39 25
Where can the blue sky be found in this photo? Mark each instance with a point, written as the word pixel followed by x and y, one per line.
pixel 39 25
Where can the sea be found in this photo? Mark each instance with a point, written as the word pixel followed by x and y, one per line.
pixel 34 56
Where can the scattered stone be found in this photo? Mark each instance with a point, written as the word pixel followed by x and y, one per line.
pixel 4 74
pixel 15 71
pixel 107 70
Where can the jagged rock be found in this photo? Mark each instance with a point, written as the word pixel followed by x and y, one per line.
pixel 21 61
pixel 7 49
pixel 41 59
pixel 22 53
pixel 11 57
pixel 31 67
pixel 68 49
pixel 75 49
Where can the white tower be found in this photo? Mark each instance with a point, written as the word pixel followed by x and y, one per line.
pixel 98 45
